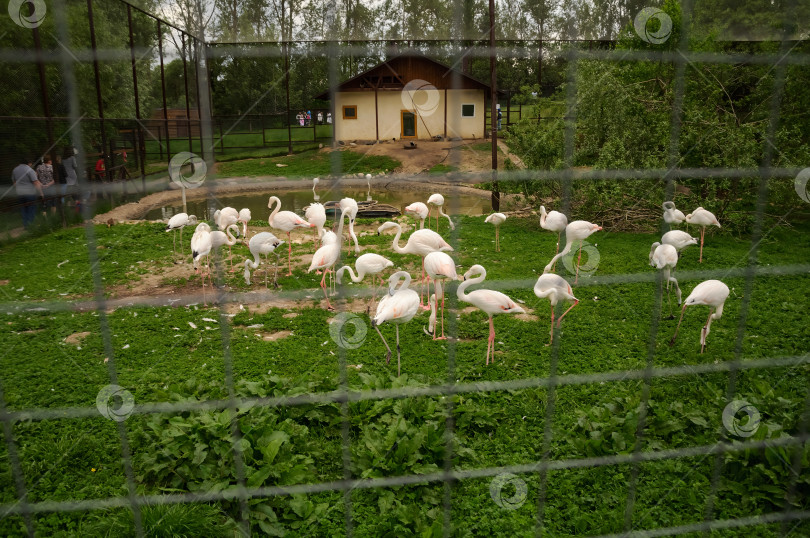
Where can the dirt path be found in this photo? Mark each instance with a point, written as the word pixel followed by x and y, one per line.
pixel 459 154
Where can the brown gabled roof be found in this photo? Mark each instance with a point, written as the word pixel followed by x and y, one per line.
pixel 396 72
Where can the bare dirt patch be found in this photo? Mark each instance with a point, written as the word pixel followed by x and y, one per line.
pixel 76 338
pixel 272 337
pixel 460 154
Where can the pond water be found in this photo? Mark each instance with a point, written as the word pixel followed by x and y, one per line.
pixel 298 200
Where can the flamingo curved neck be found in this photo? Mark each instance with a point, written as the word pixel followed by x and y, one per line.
pixel 274 201
pixel 355 278
pixel 461 291
pixel 543 215
pixel 395 245
pixel 231 237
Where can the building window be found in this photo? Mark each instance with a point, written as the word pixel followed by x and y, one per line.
pixel 467 111
pixel 350 112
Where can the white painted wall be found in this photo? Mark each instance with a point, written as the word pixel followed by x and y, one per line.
pixel 428 105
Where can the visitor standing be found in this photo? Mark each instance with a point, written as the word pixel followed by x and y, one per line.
pixel 300 117
pixel 71 172
pixel 46 180
pixel 27 186
pixel 499 118
pixel 320 117
pixel 329 118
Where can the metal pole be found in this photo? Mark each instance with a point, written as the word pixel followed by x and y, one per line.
pixel 98 83
pixel 163 89
pixel 199 109
pixel 286 79
pixel 496 195
pixel 185 82
pixel 136 140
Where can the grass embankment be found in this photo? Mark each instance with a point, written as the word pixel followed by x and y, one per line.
pixel 308 165
pixel 159 356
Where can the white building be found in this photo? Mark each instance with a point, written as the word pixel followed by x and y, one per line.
pixel 409 97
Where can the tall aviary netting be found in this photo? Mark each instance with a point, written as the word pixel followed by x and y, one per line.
pixel 135 400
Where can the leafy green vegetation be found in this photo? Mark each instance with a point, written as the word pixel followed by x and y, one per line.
pixel 623 121
pixel 160 357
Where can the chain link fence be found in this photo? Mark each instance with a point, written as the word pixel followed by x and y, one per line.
pixel 616 441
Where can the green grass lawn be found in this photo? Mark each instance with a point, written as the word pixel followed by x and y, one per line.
pixel 160 357
pixel 308 164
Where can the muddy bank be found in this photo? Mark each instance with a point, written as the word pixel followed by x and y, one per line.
pixel 231 186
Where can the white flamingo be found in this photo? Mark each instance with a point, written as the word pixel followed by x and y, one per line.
pixel 398 306
pixel 219 239
pixel 553 221
pixel 326 257
pixel 575 231
pixel 263 243
pixel 244 218
pixel 201 248
pixel 440 266
pixel 421 243
pixel 712 293
pixel 437 201
pixel 368 192
pixel 178 222
pixel 664 257
pixel 316 214
pixel 496 219
pixel 419 211
pixel 489 301
pixel 351 208
pixel 678 239
pixel 315 182
pixel 367 264
pixel 672 215
pixel 285 221
pixel 224 218
pixel 703 218
pixel 555 288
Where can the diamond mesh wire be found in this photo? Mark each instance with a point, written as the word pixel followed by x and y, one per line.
pixel 450 474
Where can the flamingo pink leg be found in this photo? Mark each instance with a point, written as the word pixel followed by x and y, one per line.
pixel 551 331
pixel 491 344
pixel 323 287
pixel 559 320
pixel 578 260
pixel 702 231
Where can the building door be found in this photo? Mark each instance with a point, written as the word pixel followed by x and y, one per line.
pixel 408 124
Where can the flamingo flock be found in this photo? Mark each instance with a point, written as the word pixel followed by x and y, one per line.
pixel 400 303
